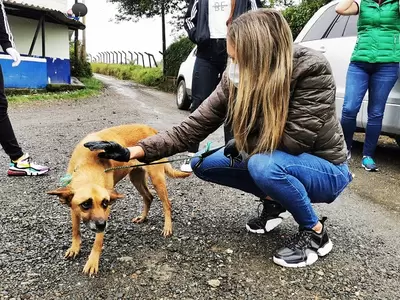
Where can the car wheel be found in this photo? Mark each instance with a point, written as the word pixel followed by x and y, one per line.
pixel 182 98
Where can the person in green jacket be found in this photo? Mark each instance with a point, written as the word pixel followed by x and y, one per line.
pixel 374 67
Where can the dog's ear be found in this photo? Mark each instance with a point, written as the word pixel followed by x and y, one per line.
pixel 64 193
pixel 114 195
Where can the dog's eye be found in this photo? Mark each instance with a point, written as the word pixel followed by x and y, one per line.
pixel 87 204
pixel 104 203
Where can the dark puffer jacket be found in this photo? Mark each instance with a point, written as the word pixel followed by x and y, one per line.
pixel 312 125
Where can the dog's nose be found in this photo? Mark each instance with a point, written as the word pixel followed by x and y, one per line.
pixel 101 225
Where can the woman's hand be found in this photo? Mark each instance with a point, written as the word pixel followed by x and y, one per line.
pixel 115 151
pixel 347 8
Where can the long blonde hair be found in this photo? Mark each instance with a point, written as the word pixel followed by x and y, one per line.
pixel 263 45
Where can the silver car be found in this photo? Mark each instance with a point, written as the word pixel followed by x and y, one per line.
pixel 335 36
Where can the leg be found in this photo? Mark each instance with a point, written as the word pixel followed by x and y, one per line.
pixel 205 80
pixel 138 179
pixel 216 168
pixel 295 182
pixel 7 136
pixel 157 177
pixel 76 237
pixel 380 85
pixel 92 265
pixel 356 87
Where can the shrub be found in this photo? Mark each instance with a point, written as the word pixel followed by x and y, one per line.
pixel 145 76
pixel 79 68
pixel 175 54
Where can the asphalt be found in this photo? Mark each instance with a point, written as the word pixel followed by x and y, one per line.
pixel 209 242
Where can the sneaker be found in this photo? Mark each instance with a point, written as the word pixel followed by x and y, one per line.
pixel 25 167
pixel 186 167
pixel 348 155
pixel 271 216
pixel 368 164
pixel 304 249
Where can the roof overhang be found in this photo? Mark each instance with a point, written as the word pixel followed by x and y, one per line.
pixel 29 11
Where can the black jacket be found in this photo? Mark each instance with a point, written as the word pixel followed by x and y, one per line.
pixel 6 38
pixel 196 23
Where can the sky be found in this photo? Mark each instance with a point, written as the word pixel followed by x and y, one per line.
pixel 105 35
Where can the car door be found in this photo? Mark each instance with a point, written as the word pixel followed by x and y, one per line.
pixel 335 37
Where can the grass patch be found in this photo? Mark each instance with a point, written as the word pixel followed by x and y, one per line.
pixel 93 87
pixel 147 76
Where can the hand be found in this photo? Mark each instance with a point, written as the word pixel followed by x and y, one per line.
pixel 14 55
pixel 112 150
pixel 230 150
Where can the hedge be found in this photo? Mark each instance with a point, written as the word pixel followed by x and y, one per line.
pixel 175 54
pixel 139 74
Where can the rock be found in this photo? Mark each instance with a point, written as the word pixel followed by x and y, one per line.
pixel 214 283
pixel 125 258
pixel 229 251
pixel 320 273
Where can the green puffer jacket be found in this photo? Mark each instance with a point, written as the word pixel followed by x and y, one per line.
pixel 378 32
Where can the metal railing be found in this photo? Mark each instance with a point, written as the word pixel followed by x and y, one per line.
pixel 122 57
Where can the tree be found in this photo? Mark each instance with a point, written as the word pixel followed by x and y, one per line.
pixel 136 9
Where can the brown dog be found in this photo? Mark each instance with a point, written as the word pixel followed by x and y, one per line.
pixel 91 190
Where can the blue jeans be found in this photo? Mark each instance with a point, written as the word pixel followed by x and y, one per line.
pixel 293 181
pixel 378 79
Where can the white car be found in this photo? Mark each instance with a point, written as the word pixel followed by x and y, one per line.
pixel 184 81
pixel 334 36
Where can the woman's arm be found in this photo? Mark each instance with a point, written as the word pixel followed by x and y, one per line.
pixel 348 7
pixel 195 128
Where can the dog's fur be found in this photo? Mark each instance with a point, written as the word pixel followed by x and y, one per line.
pixel 91 190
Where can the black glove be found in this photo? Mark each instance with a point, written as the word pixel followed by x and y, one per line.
pixel 232 152
pixel 112 150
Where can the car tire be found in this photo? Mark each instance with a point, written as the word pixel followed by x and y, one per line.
pixel 182 98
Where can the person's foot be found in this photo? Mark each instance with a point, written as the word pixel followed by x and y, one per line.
pixel 186 167
pixel 271 216
pixel 304 248
pixel 25 167
pixel 368 164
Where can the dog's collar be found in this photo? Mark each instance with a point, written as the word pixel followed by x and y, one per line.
pixel 66 179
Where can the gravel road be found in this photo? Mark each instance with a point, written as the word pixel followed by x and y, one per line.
pixel 209 241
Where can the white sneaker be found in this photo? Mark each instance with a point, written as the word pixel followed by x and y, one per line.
pixel 25 167
pixel 186 167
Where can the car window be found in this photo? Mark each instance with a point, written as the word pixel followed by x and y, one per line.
pixel 319 28
pixel 338 27
pixel 351 27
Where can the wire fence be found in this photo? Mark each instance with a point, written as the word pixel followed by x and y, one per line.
pixel 124 57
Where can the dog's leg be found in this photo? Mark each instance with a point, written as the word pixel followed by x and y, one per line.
pixel 138 179
pixel 92 265
pixel 158 179
pixel 76 236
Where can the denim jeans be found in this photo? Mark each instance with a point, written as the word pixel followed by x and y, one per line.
pixel 206 77
pixel 378 79
pixel 293 181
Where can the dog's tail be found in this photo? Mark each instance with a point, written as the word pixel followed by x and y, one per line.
pixel 173 173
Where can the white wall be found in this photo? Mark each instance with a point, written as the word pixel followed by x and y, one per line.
pixel 53 4
pixel 57 37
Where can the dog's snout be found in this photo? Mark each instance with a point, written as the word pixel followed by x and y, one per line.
pixel 101 224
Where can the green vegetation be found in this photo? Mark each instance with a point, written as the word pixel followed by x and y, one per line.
pixel 93 87
pixel 146 76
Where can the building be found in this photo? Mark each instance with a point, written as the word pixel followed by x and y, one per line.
pixel 41 31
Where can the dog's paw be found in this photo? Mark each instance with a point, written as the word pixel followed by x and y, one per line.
pixel 72 252
pixel 91 267
pixel 139 219
pixel 167 232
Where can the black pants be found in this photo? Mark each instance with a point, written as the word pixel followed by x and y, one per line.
pixel 206 76
pixel 7 137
